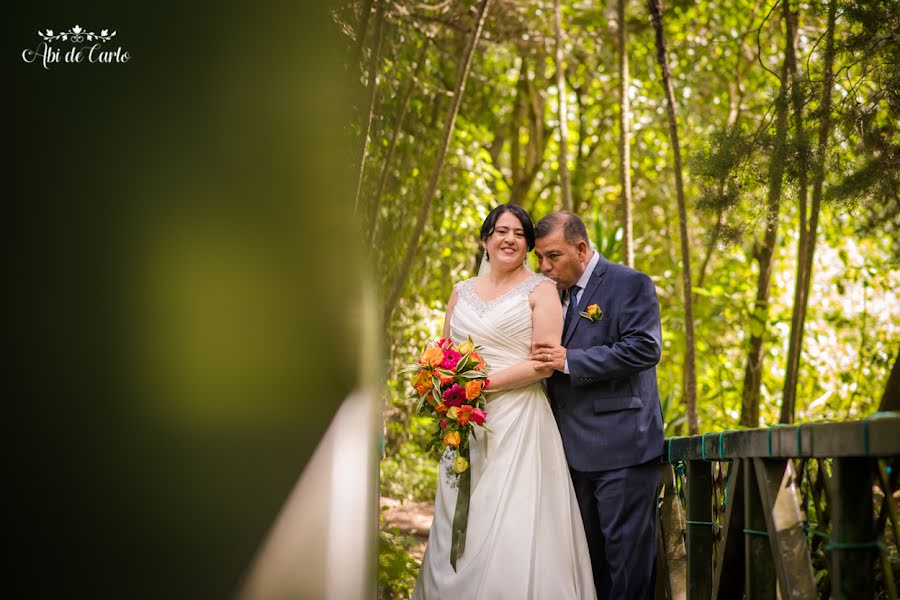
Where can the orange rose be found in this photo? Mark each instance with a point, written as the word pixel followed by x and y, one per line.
pixel 473 389
pixel 463 414
pixel 594 313
pixel 445 379
pixel 422 384
pixel 451 438
pixel 441 408
pixel 432 356
pixel 479 362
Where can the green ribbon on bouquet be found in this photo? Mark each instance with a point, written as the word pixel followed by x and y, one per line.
pixel 461 515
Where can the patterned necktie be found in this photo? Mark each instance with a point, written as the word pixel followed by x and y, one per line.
pixel 570 311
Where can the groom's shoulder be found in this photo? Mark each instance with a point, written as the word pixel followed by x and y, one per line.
pixel 626 274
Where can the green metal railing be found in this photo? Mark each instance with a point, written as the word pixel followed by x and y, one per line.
pixel 757 513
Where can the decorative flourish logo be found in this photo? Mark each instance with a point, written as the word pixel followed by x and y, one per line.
pixel 97 52
pixel 77 34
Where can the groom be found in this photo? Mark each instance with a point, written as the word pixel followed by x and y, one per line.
pixel 606 402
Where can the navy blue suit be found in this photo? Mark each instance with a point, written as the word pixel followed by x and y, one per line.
pixel 610 421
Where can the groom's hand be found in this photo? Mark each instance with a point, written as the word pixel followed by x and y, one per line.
pixel 549 356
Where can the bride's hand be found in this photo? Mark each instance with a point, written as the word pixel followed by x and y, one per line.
pixel 542 368
pixel 549 356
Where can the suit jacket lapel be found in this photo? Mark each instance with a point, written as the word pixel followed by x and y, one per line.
pixel 586 295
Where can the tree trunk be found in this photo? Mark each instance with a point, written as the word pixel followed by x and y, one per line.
pixel 564 182
pixel 891 398
pixel 806 253
pixel 710 247
pixel 373 96
pixel 735 102
pixel 578 174
pixel 385 169
pixel 515 130
pixel 465 64
pixel 528 111
pixel 361 29
pixel 624 131
pixel 690 376
pixel 765 252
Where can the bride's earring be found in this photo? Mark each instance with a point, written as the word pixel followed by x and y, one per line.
pixel 485 257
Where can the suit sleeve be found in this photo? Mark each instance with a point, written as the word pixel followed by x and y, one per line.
pixel 639 345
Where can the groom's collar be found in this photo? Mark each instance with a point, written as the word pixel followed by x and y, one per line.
pixel 589 270
pixel 601 265
pixel 589 282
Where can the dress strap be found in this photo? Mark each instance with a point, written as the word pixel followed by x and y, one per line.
pixel 529 285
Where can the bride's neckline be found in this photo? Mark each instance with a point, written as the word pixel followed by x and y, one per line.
pixel 483 304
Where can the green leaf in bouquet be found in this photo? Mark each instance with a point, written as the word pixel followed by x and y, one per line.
pixel 472 374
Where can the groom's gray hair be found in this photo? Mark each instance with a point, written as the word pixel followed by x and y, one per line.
pixel 573 227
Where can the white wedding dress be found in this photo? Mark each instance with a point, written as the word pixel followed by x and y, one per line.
pixel 525 538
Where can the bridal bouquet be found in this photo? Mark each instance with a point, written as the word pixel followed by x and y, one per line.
pixel 449 383
pixel 449 386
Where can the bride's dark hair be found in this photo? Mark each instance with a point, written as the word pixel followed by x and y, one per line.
pixel 487 228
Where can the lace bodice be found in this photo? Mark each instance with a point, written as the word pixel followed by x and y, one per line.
pixel 501 327
pixel 468 294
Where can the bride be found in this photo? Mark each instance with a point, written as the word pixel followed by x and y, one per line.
pixel 525 537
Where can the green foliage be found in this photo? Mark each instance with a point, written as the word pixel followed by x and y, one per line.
pixel 397 569
pixel 673 414
pixel 724 62
pixel 409 472
pixel 607 241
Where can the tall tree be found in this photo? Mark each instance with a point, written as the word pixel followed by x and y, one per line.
pixel 764 252
pixel 373 98
pixel 564 180
pixel 465 64
pixel 725 185
pixel 807 241
pixel 375 205
pixel 528 118
pixel 890 400
pixel 361 29
pixel 690 372
pixel 624 130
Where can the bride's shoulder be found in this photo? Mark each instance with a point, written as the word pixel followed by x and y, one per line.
pixel 535 281
pixel 465 283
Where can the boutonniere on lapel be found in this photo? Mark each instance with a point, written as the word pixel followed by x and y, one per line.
pixel 592 314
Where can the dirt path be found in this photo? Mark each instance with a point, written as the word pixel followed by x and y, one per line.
pixel 411 518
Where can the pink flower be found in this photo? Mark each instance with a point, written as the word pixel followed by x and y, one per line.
pixel 455 396
pixel 451 358
pixel 445 343
pixel 478 416
pixel 443 423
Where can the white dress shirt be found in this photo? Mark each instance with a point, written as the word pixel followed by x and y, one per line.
pixel 581 283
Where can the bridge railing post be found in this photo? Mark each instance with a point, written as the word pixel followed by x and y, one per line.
pixel 699 523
